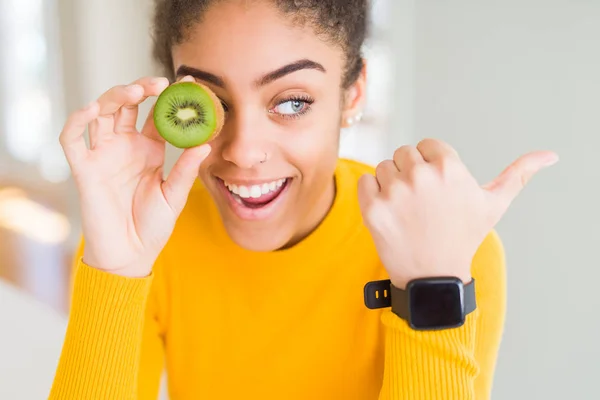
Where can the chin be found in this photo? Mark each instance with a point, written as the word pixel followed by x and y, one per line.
pixel 256 213
pixel 260 242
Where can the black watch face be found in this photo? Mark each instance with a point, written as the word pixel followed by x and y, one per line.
pixel 436 305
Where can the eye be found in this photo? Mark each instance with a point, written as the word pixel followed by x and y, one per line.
pixel 290 107
pixel 225 106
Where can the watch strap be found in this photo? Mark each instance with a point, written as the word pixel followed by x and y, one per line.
pixel 377 294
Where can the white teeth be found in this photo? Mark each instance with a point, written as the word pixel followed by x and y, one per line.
pixel 244 192
pixel 255 191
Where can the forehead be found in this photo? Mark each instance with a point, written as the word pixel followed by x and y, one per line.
pixel 244 39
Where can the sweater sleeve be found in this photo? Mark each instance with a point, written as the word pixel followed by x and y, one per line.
pixel 113 346
pixel 101 352
pixel 453 364
pixel 151 360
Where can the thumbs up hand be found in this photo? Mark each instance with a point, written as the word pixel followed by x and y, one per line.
pixel 428 215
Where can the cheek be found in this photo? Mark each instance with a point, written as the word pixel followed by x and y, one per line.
pixel 315 142
pixel 319 129
pixel 313 148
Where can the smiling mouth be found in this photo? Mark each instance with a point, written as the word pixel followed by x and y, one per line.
pixel 256 196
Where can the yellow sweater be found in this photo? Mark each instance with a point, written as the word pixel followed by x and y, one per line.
pixel 227 323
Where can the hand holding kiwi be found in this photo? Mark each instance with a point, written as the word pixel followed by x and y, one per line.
pixel 128 210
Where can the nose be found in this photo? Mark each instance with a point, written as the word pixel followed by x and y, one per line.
pixel 243 143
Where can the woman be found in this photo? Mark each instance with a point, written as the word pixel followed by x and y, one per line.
pixel 243 296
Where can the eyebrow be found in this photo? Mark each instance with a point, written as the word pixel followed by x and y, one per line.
pixel 288 69
pixel 262 81
pixel 185 70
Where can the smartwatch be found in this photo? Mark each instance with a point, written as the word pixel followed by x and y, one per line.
pixel 426 303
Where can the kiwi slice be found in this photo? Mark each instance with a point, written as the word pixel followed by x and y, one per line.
pixel 188 114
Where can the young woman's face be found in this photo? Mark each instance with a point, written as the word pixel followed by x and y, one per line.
pixel 270 171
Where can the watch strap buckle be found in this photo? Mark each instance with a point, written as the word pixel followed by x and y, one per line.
pixel 377 294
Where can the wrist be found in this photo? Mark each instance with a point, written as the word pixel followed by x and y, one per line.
pixel 401 281
pixel 133 272
pixel 138 270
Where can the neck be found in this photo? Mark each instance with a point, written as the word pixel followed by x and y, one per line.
pixel 316 216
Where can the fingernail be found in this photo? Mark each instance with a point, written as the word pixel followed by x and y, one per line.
pixel 89 106
pixel 551 160
pixel 206 151
pixel 156 81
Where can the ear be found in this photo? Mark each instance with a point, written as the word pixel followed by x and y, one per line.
pixel 355 98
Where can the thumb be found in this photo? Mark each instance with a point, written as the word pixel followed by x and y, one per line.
pixel 149 130
pixel 181 178
pixel 513 179
pixel 367 190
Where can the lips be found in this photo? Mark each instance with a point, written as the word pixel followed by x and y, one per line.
pixel 255 201
pixel 258 194
pixel 256 198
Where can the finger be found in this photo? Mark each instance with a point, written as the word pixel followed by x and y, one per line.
pixel 368 188
pixel 406 157
pixel 149 130
pixel 72 136
pixel 181 178
pixel 126 117
pixel 433 150
pixel 187 78
pixel 115 98
pixel 110 102
pixel 515 177
pixel 386 172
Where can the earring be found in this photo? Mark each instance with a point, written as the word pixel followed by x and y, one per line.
pixel 352 120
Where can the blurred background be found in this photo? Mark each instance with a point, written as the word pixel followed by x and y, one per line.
pixel 495 79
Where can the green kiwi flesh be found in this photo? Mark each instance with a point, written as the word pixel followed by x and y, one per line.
pixel 187 114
